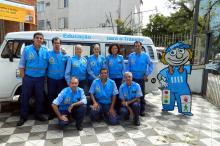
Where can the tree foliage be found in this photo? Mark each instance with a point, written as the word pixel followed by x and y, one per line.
pixel 122 28
pixel 180 22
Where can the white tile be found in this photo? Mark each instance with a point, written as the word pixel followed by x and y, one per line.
pixel 136 134
pixel 91 144
pixel 28 123
pixel 105 137
pixel 87 132
pixel 34 143
pixel 72 141
pixel 125 142
pixel 18 137
pixel 39 128
pixel 3 144
pixel 54 121
pixel 54 134
pixel 179 144
pixel 187 137
pixel 117 128
pixel 211 133
pixel 99 124
pixel 4 115
pixel 13 119
pixel 210 142
pixel 7 131
pixel 157 140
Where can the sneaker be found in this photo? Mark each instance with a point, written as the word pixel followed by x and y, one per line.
pixel 79 127
pixel 188 114
pixel 137 122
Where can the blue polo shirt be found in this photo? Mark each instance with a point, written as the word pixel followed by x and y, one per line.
pixel 34 62
pixel 140 65
pixel 130 92
pixel 67 97
pixel 103 93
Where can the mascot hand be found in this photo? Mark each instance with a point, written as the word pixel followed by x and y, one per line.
pixel 163 84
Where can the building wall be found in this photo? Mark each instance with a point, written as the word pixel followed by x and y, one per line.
pixel 11 26
pixel 88 14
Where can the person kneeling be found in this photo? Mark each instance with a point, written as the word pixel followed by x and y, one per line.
pixel 103 93
pixel 70 102
pixel 130 93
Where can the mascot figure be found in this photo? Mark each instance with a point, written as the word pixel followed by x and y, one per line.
pixel 173 78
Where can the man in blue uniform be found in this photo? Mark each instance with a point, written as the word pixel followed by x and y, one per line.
pixel 70 102
pixel 55 72
pixel 103 96
pixel 32 67
pixel 94 64
pixel 76 67
pixel 130 93
pixel 140 65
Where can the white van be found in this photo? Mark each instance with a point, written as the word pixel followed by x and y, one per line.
pixel 14 43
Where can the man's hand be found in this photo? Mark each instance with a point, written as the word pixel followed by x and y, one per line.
pixel 112 111
pixel 124 103
pixel 63 118
pixel 70 107
pixel 95 106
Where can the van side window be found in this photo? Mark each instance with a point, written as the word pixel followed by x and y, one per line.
pixel 70 48
pixel 150 52
pixel 125 50
pixel 14 48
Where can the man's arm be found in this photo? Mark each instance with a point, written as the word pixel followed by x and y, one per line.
pixel 56 110
pixel 89 69
pixel 22 64
pixel 150 66
pixel 68 70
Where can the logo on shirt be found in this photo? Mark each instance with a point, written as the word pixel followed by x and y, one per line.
pixel 97 89
pixel 132 61
pixel 83 61
pixel 51 60
pixel 75 64
pixel 92 63
pixel 67 100
pixel 133 91
pixel 125 94
pixel 31 56
pixel 110 63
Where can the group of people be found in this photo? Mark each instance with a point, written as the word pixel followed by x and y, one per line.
pixel 110 98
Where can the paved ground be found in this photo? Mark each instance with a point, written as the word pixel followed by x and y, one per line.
pixel 156 128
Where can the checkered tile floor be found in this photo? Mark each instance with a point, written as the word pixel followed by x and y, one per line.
pixel 157 128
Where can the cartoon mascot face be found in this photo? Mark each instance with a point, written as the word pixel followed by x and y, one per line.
pixel 177 54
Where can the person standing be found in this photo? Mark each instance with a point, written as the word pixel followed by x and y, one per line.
pixel 94 64
pixel 115 65
pixel 55 72
pixel 32 68
pixel 140 65
pixel 76 67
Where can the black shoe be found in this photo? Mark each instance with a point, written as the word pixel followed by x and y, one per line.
pixel 142 114
pixel 21 122
pixel 79 127
pixel 137 122
pixel 40 118
pixel 50 116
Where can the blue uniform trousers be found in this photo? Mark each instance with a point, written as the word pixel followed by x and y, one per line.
pixel 124 113
pixel 141 82
pixel 54 88
pixel 78 113
pixel 103 110
pixel 32 86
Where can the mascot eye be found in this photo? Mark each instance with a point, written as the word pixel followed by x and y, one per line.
pixel 182 51
pixel 173 52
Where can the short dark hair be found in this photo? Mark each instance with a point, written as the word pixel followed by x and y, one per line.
pixel 110 48
pixel 137 42
pixel 56 39
pixel 38 33
pixel 103 69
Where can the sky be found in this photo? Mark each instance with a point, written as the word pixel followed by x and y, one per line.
pixel 161 5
